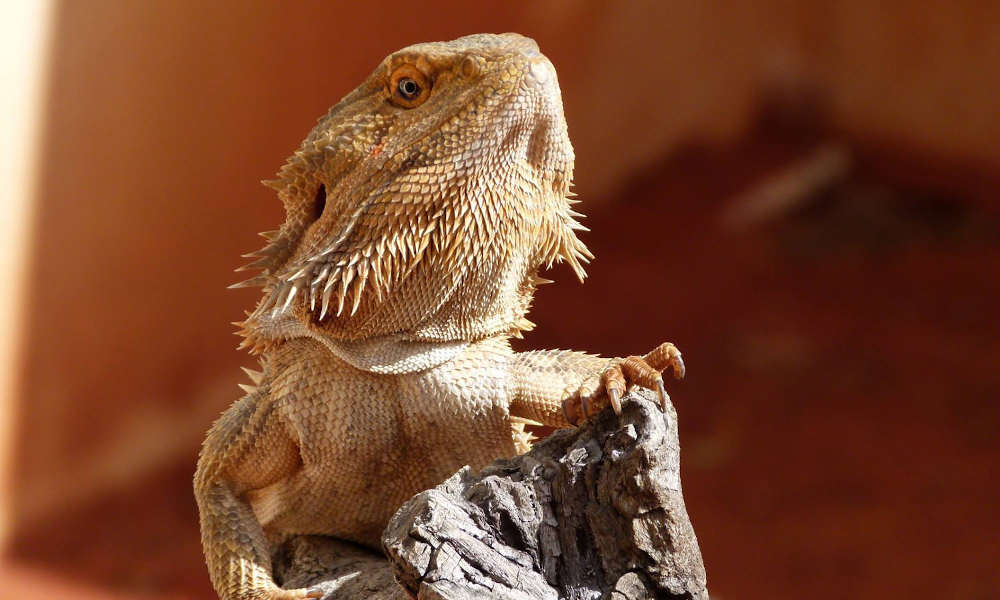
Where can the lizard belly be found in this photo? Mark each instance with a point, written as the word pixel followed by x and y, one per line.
pixel 371 441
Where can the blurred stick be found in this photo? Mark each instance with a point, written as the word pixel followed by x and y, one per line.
pixel 790 189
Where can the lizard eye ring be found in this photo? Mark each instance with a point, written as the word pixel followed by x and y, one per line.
pixel 408 87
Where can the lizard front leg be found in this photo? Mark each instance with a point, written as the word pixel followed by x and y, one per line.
pixel 248 448
pixel 560 388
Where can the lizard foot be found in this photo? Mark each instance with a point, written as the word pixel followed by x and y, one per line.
pixel 607 387
pixel 296 594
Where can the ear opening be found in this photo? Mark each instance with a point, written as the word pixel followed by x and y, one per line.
pixel 319 202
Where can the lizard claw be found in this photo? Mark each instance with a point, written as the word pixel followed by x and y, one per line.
pixel 616 401
pixel 664 397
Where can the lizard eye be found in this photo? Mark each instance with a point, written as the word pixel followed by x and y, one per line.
pixel 408 87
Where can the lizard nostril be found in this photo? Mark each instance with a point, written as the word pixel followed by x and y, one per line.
pixel 319 203
pixel 541 70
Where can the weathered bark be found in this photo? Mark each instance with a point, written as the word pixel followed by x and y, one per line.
pixel 595 512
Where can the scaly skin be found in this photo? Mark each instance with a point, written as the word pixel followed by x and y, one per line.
pixel 418 214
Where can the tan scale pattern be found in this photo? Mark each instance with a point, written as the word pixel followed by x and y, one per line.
pixel 409 256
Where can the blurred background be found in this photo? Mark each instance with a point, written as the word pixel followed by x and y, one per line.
pixel 802 196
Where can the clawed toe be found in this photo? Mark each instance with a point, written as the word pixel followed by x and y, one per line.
pixel 666 356
pixel 615 385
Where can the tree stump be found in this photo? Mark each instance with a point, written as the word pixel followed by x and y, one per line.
pixel 590 513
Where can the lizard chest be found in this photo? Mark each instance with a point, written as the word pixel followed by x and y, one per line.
pixel 369 442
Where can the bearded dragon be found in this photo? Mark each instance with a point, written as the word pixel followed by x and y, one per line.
pixel 419 211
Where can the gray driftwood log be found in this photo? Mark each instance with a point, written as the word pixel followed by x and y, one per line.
pixel 589 513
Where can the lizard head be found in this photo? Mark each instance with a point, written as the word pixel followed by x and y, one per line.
pixel 451 156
